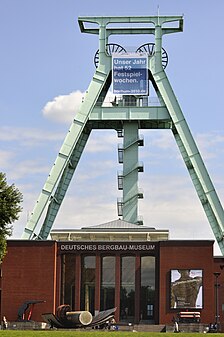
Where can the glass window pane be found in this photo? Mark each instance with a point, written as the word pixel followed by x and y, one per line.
pixel 88 276
pixel 127 294
pixel 147 300
pixel 107 283
pixel 68 279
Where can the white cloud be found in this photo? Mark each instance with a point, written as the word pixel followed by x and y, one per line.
pixel 28 136
pixel 162 139
pixel 102 141
pixel 29 168
pixel 63 108
pixel 5 159
pixel 210 144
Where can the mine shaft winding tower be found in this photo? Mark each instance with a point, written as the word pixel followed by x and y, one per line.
pixel 127 114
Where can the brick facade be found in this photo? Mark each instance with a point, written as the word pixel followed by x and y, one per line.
pixel 31 270
pixel 184 255
pixel 28 273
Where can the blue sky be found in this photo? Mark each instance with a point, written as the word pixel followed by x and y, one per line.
pixel 46 64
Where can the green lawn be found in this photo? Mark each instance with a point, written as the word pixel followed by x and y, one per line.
pixel 83 333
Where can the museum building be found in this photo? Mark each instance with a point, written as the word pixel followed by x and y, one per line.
pixel 137 269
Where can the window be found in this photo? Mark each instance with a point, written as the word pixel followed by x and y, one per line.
pixel 107 283
pixel 68 279
pixel 127 293
pixel 88 276
pixel 147 297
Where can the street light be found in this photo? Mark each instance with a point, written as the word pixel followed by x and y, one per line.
pixel 216 274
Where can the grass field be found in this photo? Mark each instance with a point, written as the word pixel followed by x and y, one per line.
pixel 75 333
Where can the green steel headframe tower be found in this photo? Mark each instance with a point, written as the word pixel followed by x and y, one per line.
pixel 127 115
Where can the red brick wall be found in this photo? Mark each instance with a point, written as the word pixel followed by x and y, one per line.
pixel 29 273
pixel 219 267
pixel 186 255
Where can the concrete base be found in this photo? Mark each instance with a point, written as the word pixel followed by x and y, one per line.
pixel 188 327
pixel 142 327
pixel 27 325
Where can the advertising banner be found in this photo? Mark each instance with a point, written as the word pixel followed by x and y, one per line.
pixel 186 288
pixel 130 74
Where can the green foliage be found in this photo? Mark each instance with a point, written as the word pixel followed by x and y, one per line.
pixel 10 200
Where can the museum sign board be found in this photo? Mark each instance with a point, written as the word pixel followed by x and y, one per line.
pixel 106 247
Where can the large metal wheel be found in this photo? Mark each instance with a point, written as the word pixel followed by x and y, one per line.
pixel 149 48
pixel 111 48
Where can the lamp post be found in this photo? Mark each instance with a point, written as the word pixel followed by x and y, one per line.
pixel 216 274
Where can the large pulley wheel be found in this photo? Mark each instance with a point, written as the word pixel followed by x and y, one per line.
pixel 111 48
pixel 149 48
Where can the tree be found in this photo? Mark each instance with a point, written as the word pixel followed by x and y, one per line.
pixel 10 200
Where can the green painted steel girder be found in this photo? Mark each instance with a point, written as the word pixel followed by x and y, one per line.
pixel 106 20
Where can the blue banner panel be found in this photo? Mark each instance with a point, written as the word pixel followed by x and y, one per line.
pixel 130 75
